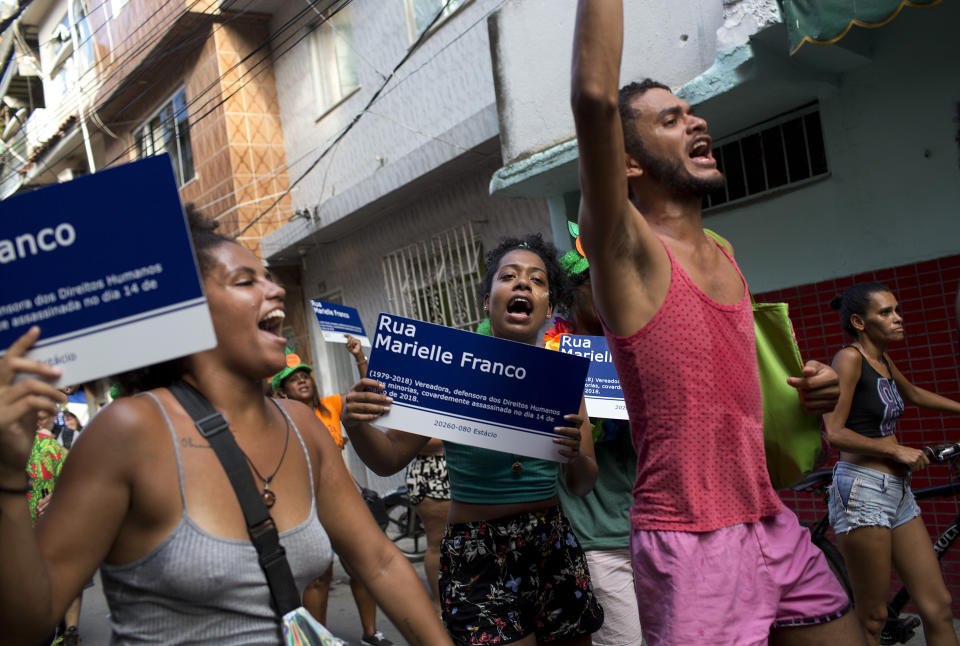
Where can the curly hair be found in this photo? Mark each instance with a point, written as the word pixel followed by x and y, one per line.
pixel 855 300
pixel 205 239
pixel 561 292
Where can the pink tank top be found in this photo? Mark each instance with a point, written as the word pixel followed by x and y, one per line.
pixel 692 391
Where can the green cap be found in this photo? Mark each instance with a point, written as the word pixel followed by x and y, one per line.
pixel 293 364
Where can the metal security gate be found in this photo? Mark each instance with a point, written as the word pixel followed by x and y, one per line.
pixel 437 280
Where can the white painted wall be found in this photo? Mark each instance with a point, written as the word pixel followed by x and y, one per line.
pixel 889 109
pixel 447 80
pixel 438 109
pixel 533 43
pixel 352 266
pixel 893 197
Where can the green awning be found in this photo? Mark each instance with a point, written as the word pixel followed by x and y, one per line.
pixel 826 21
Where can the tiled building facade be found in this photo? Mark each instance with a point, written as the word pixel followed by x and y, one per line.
pixel 195 80
pixel 235 135
pixel 188 78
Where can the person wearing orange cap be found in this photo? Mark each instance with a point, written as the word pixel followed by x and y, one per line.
pixel 296 382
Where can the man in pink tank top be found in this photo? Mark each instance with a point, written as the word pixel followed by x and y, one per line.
pixel 716 557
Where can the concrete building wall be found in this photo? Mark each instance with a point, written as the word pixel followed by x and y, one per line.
pixel 892 193
pixel 235 130
pixel 350 269
pixel 532 43
pixel 351 266
pixel 446 81
pixel 890 129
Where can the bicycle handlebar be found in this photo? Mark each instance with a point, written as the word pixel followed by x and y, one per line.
pixel 941 453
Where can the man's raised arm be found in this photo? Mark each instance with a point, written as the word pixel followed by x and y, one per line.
pixel 597 49
pixel 618 241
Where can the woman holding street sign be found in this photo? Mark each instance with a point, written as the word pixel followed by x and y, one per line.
pixel 511 569
pixel 144 494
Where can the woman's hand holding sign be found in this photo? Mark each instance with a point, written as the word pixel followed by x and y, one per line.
pixel 365 402
pixel 385 453
pixel 570 440
pixel 580 471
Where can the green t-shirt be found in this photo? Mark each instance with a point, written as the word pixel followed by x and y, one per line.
pixel 601 519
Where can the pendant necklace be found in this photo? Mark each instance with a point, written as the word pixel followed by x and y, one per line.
pixel 268 496
pixel 517 467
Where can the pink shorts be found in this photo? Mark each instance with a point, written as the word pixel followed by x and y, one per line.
pixel 732 585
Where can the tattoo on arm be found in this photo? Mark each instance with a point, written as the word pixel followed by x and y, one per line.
pixel 188 443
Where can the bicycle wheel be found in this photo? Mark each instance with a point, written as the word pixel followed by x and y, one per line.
pixel 406 531
pixel 836 562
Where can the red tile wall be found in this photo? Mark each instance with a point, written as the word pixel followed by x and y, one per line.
pixel 928 358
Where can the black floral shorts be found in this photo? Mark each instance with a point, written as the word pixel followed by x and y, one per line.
pixel 427 478
pixel 504 579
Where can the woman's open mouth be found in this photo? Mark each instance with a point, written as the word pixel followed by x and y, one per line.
pixel 519 309
pixel 272 323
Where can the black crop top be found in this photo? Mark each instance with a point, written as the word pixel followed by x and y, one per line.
pixel 876 403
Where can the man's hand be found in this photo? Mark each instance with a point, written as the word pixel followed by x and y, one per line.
pixel 818 387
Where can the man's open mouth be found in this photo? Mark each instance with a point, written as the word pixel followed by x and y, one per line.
pixel 701 148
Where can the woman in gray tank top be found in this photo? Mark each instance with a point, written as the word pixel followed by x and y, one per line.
pixel 144 494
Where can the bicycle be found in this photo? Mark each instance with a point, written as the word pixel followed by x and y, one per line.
pixel 898 629
pixel 396 515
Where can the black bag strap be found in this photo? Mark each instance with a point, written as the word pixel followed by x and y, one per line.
pixel 260 525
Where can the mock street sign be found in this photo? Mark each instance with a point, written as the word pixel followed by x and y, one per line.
pixel 474 389
pixel 104 265
pixel 601 393
pixel 337 320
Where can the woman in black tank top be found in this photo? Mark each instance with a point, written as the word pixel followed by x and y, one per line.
pixel 872 508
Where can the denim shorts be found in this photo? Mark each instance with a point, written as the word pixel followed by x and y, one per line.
pixel 862 497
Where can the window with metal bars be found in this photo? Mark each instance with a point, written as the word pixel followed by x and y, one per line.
pixel 782 152
pixel 436 280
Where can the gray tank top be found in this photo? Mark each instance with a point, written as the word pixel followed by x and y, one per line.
pixel 197 588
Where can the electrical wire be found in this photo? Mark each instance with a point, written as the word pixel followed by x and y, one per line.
pixel 60 116
pixel 353 122
pixel 443 49
pixel 213 85
pixel 380 93
pixel 348 43
pixel 268 56
pixel 376 95
pixel 145 41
